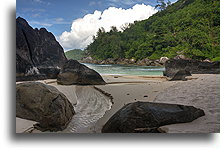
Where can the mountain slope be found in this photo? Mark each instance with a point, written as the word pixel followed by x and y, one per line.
pixel 188 27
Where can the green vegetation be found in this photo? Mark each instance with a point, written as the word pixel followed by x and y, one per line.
pixel 75 54
pixel 162 4
pixel 188 27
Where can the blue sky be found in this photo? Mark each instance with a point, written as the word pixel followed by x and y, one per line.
pixel 57 15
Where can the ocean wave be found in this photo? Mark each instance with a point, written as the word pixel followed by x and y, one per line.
pixel 106 65
pixel 111 69
pixel 113 74
pixel 154 69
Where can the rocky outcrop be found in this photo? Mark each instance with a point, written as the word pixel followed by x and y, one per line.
pixel 44 104
pixel 163 60
pixel 193 66
pixel 73 72
pixel 148 117
pixel 38 54
pixel 124 61
pixel 147 62
pixel 180 75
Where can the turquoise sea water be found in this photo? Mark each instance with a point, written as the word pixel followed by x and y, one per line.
pixel 126 70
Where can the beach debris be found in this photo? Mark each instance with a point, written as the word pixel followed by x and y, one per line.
pixel 75 73
pixel 44 104
pixel 149 116
pixel 145 96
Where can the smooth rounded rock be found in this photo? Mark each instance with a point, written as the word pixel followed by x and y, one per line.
pixel 75 73
pixel 148 117
pixel 44 104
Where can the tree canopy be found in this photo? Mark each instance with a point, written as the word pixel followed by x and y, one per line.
pixel 188 27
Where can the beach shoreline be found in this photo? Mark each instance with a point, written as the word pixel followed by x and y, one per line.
pixel 127 89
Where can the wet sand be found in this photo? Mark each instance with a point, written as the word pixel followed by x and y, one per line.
pixel 93 108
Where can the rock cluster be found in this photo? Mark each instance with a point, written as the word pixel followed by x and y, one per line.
pixel 123 61
pixel 44 104
pixel 148 117
pixel 192 66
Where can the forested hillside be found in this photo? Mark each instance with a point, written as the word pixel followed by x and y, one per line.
pixel 187 27
pixel 75 54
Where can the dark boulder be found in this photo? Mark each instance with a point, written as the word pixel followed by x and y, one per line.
pixel 180 75
pixel 36 49
pixel 148 117
pixel 44 104
pixel 73 72
pixel 193 66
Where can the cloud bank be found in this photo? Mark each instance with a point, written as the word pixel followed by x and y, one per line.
pixel 83 29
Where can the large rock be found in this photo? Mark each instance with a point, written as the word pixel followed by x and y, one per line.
pixel 44 104
pixel 193 66
pixel 75 73
pixel 148 117
pixel 180 75
pixel 36 49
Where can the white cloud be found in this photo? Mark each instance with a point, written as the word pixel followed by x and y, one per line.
pixel 43 24
pixel 41 2
pixel 58 21
pixel 92 3
pixel 48 22
pixel 36 15
pixel 125 2
pixel 83 29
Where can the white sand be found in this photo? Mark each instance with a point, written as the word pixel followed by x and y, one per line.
pixel 92 107
pixel 201 93
pixel 23 125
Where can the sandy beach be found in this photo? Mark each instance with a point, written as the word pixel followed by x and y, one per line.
pixel 94 108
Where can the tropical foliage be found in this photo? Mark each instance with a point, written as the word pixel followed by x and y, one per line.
pixel 188 27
